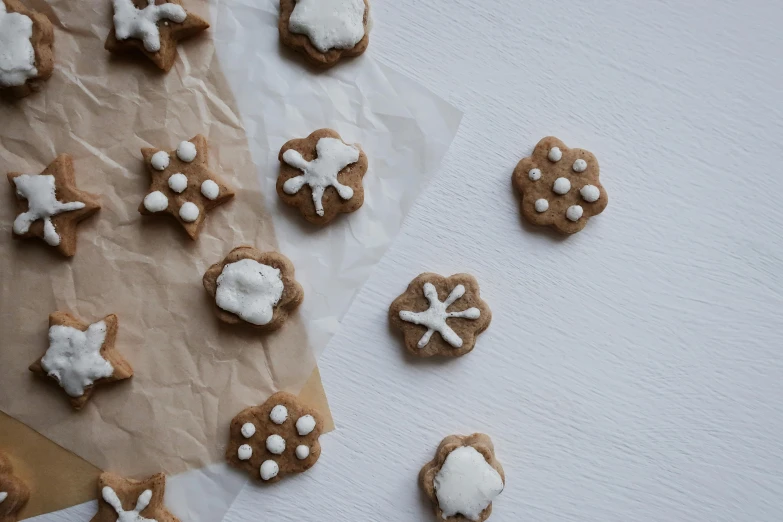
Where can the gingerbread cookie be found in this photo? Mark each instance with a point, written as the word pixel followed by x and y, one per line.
pixel 153 28
pixel 128 500
pixel 423 310
pixel 325 31
pixel 14 493
pixel 322 176
pixel 81 356
pixel 26 55
pixel 50 205
pixel 254 287
pixel 182 185
pixel 463 479
pixel 560 186
pixel 275 439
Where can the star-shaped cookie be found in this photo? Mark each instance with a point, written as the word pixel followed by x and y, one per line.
pixel 14 493
pixel 49 205
pixel 31 35
pixel 121 499
pixel 153 28
pixel 81 356
pixel 182 184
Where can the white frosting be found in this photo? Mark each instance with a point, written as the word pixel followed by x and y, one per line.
pixel 305 425
pixel 186 151
pixel 279 414
pixel 590 193
pixel 156 201
pixel 250 290
pixel 329 24
pixel 561 186
pixel 17 56
pixel 248 430
pixel 210 190
pixel 4 495
pixel 466 484
pixel 130 22
pixel 333 156
pixel 435 317
pixel 269 469
pixel 74 357
pixel 555 154
pixel 178 182
pixel 160 160
pixel 188 212
pixel 275 444
pixel 574 212
pixel 534 174
pixel 542 205
pixel 580 165
pixel 40 193
pixel 302 452
pixel 244 452
pixel 142 502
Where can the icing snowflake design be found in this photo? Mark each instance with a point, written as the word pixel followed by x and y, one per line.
pixel 321 173
pixel 74 357
pixel 39 191
pixel 329 24
pixel 130 22
pixel 142 502
pixel 435 317
pixel 17 59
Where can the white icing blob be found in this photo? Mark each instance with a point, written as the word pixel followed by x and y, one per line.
pixel 74 357
pixel 561 186
pixel 17 56
pixel 160 160
pixel 534 174
pixel 142 502
pixel 580 165
pixel 248 430
pixel 305 425
pixel 435 317
pixel 279 414
pixel 186 151
pixel 269 469
pixel 40 193
pixel 250 290
pixel 156 201
pixel 275 444
pixel 302 452
pixel 329 24
pixel 210 190
pixel 466 484
pixel 4 495
pixel 590 193
pixel 188 212
pixel 178 182
pixel 333 156
pixel 244 452
pixel 574 212
pixel 542 205
pixel 130 22
pixel 555 154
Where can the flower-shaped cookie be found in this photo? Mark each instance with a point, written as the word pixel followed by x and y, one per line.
pixel 560 186
pixel 128 500
pixel 254 287
pixel 27 56
pixel 275 439
pixel 14 493
pixel 463 479
pixel 440 315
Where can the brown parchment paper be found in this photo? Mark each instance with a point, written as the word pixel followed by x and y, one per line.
pixel 191 374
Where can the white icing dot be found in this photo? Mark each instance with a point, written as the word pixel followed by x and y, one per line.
pixel 279 414
pixel 574 212
pixel 160 160
pixel 248 430
pixel 302 452
pixel 561 186
pixel 555 154
pixel 275 444
pixel 542 205
pixel 269 469
pixel 590 193
pixel 188 212
pixel 156 201
pixel 210 190
pixel 305 425
pixel 580 165
pixel 178 182
pixel 244 452
pixel 186 151
pixel 534 174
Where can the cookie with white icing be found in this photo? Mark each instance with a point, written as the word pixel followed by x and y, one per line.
pixel 26 53
pixel 325 31
pixel 253 287
pixel 322 176
pixel 14 493
pixel 463 479
pixel 128 500
pixel 560 187
pixel 153 28
pixel 82 356
pixel 182 184
pixel 440 315
pixel 49 206
pixel 275 439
